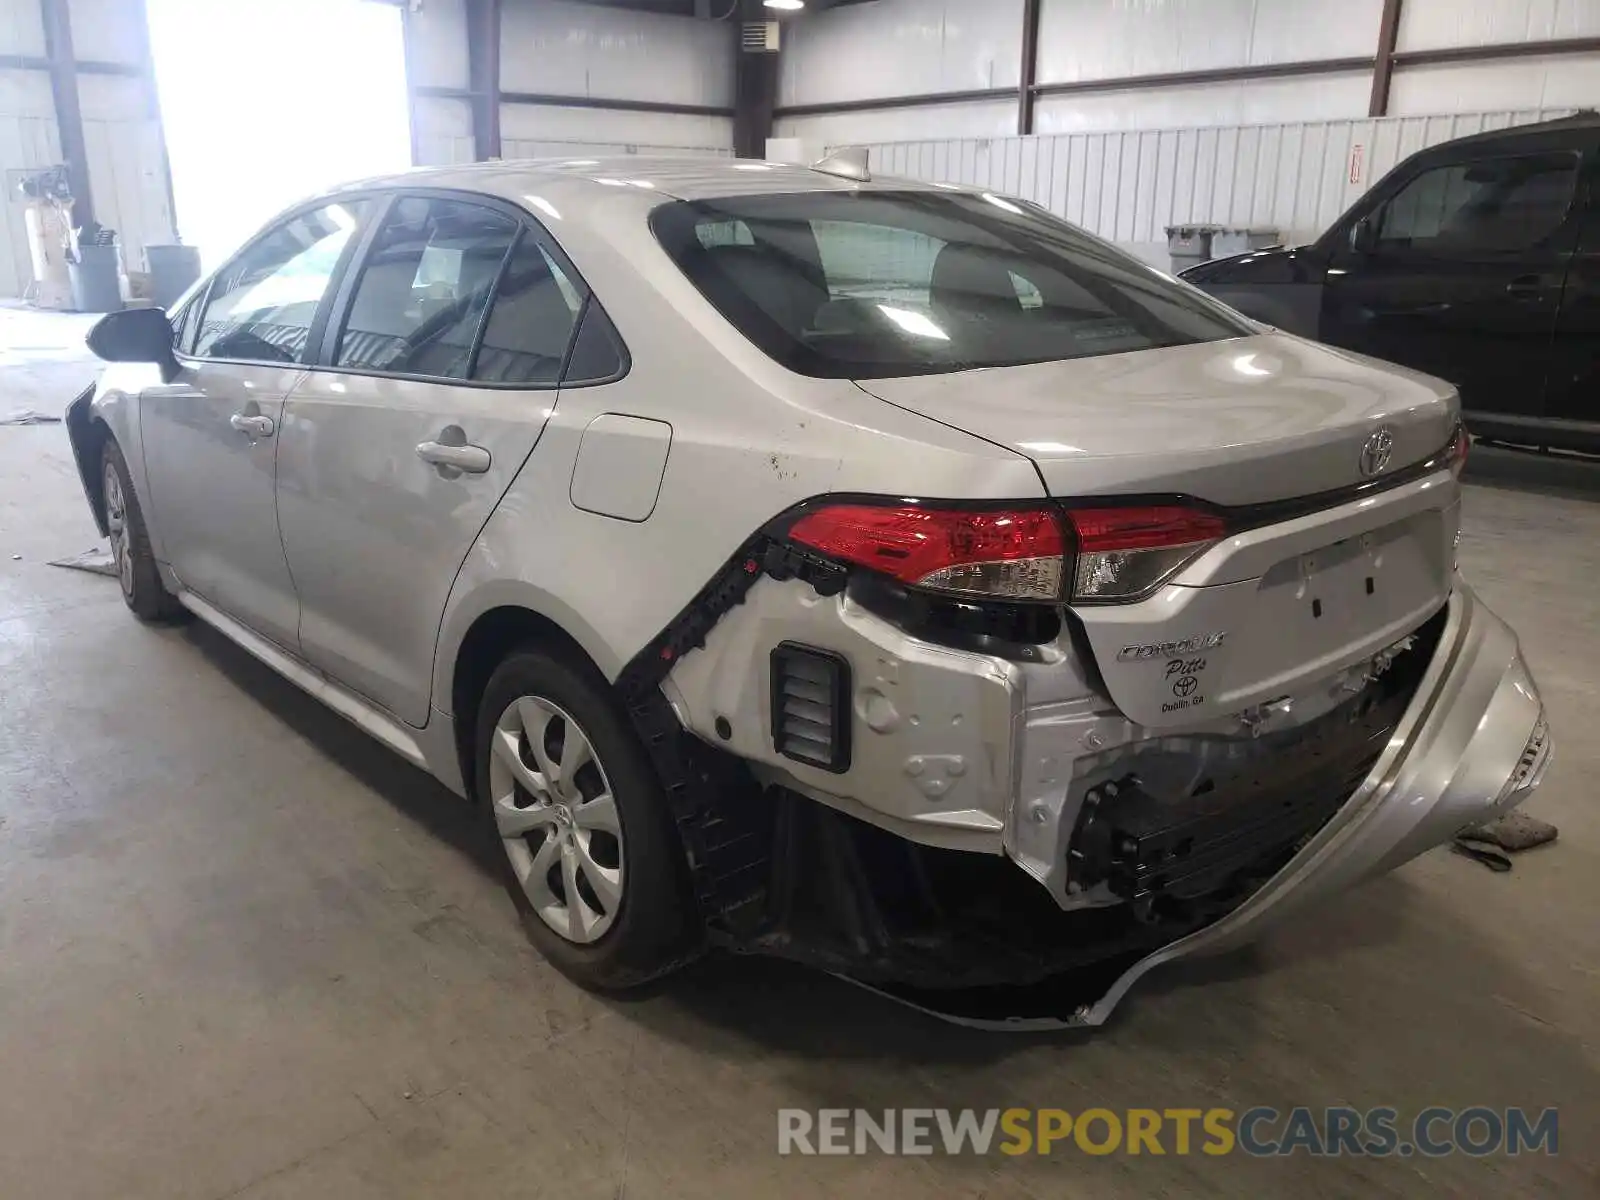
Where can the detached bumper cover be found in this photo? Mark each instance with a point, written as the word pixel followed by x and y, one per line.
pixel 1456 759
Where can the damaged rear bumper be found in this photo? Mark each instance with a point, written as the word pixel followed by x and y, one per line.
pixel 879 883
pixel 1473 745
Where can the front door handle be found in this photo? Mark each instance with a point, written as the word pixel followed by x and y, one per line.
pixel 255 425
pixel 454 457
pixel 1525 287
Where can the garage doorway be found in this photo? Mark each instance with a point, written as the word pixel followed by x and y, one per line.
pixel 267 101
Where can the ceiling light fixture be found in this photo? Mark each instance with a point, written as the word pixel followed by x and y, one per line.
pixel 786 5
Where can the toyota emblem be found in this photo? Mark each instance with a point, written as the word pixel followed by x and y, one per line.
pixel 1377 451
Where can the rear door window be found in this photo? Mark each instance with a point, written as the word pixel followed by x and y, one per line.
pixel 884 283
pixel 532 322
pixel 424 288
pixel 1488 206
pixel 261 306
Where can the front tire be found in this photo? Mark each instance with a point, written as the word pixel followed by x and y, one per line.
pixel 591 857
pixel 137 572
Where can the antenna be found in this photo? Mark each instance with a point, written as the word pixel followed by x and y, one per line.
pixel 849 162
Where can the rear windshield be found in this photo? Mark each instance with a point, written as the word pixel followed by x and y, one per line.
pixel 862 285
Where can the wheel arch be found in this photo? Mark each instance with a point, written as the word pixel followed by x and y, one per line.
pixel 506 619
pixel 88 433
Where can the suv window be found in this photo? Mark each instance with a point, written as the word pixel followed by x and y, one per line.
pixel 531 324
pixel 1489 205
pixel 883 283
pixel 424 287
pixel 261 306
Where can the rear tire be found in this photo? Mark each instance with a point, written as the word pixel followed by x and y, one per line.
pixel 591 856
pixel 137 572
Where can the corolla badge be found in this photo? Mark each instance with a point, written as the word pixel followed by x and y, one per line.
pixel 1377 451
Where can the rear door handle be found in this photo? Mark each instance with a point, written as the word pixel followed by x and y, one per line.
pixel 472 460
pixel 1526 287
pixel 256 426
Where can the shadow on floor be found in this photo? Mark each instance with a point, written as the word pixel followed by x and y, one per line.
pixel 1562 475
pixel 413 792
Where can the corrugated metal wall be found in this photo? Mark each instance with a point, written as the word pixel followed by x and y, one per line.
pixel 563 49
pixel 1129 185
pixel 898 48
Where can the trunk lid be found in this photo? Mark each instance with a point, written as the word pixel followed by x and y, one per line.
pixel 1242 421
pixel 1273 612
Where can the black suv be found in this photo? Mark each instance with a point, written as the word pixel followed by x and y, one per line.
pixel 1477 261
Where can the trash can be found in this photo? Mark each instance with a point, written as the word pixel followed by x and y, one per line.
pixel 96 279
pixel 1190 245
pixel 172 269
pixel 1228 242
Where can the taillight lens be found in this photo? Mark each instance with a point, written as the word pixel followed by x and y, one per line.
pixel 1003 555
pixel 1456 456
pixel 1126 553
pixel 1082 555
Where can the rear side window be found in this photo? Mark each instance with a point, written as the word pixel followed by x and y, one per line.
pixel 875 284
pixel 531 324
pixel 424 288
pixel 261 305
pixel 1495 204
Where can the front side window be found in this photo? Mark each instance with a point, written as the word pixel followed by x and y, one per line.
pixel 260 307
pixel 875 284
pixel 1495 204
pixel 424 287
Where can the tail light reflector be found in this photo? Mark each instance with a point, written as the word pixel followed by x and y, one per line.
pixel 1126 553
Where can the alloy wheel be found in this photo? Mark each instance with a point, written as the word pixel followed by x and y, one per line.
pixel 118 528
pixel 557 818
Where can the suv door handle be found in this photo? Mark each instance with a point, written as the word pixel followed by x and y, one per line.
pixel 1525 287
pixel 256 426
pixel 473 460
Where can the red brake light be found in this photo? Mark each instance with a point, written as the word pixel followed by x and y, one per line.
pixel 1011 554
pixel 1126 553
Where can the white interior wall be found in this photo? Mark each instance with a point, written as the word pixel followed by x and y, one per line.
pixel 1547 81
pixel 1113 39
pixel 589 50
pixel 922 47
pixel 552 48
pixel 987 118
pixel 544 131
pixel 900 48
pixel 1250 103
pixel 1441 24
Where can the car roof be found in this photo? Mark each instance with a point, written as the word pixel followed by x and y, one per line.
pixel 681 177
pixel 1584 121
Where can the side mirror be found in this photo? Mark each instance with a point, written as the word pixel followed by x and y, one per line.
pixel 136 335
pixel 1364 236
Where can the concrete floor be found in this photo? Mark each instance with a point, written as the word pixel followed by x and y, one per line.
pixel 245 952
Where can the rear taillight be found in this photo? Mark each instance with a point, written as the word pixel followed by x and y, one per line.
pixel 1080 555
pixel 1126 553
pixel 1004 555
pixel 1456 455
